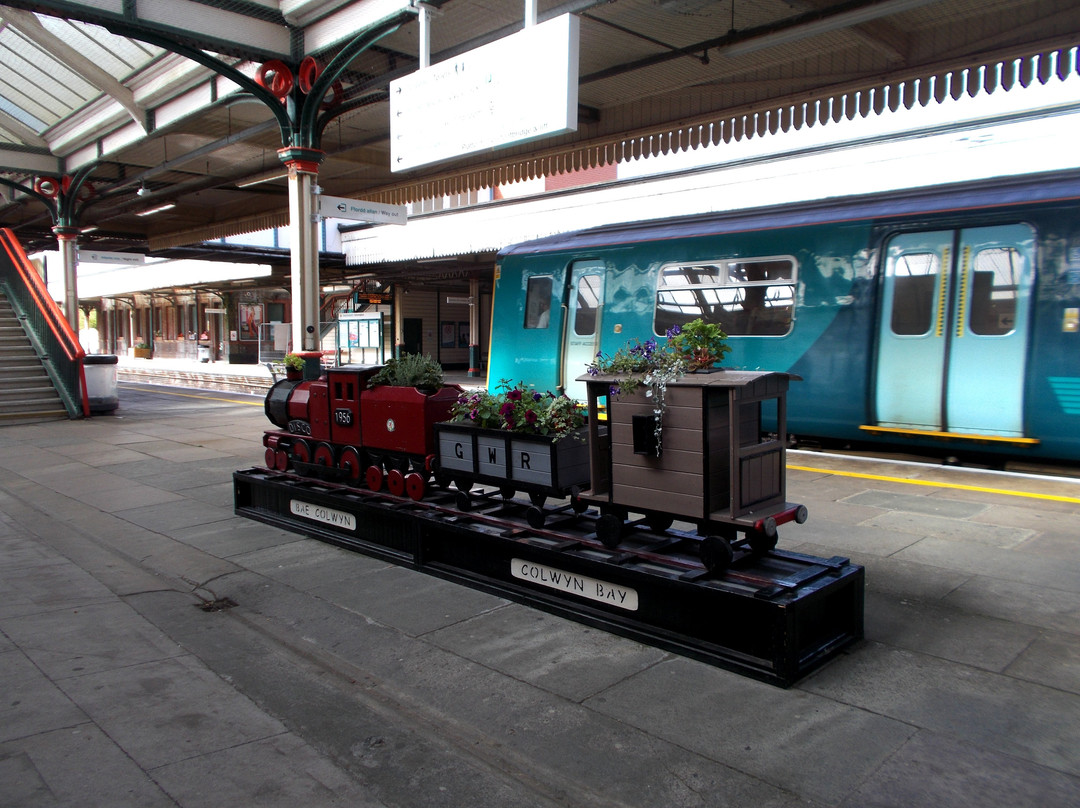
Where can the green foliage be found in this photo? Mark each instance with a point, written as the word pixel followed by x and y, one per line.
pixel 519 409
pixel 410 370
pixel 701 344
pixel 293 361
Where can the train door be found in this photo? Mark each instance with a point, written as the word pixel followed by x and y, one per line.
pixel 952 339
pixel 584 302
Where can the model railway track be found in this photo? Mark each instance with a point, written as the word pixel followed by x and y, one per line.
pixel 671 552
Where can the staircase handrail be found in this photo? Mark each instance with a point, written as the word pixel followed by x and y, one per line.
pixel 49 327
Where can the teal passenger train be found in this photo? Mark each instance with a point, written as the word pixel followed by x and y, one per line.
pixel 942 318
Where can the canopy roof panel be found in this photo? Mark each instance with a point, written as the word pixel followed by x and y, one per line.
pixel 99 85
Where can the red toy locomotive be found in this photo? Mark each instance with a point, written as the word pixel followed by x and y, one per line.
pixel 335 427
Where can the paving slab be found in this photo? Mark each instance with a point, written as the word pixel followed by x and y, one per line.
pixel 169 710
pixel 74 766
pixel 935 769
pixel 942 631
pixel 818 747
pixel 87 639
pixel 1029 721
pixel 560 656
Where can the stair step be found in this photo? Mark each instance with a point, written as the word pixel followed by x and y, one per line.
pixel 33 415
pixel 28 393
pixel 32 405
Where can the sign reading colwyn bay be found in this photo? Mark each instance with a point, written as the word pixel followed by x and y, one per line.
pixel 519 88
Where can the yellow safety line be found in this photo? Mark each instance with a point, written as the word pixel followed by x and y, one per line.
pixel 203 398
pixel 957 486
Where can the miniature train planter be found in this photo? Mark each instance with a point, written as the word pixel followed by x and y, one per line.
pixel 715 468
pixel 512 461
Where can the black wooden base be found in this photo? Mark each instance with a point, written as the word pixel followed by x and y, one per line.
pixel 773 617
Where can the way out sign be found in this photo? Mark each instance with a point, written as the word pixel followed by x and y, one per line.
pixel 337 207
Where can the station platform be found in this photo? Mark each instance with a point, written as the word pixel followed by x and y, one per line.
pixel 158 650
pixel 224 376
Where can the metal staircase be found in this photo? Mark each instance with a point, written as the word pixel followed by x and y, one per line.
pixel 26 391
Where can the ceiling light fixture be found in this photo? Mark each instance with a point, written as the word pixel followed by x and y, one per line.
pixel 268 176
pixel 158 209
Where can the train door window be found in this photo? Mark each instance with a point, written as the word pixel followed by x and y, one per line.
pixel 747 297
pixel 995 281
pixel 538 302
pixel 588 303
pixel 915 276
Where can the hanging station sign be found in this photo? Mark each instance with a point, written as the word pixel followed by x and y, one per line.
pixel 519 88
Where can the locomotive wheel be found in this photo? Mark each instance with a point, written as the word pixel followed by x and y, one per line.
pixel 538 499
pixel 324 455
pixel 463 501
pixel 659 521
pixel 281 460
pixel 350 462
pixel 301 451
pixel 535 517
pixel 716 554
pixel 609 529
pixel 395 482
pixel 464 486
pixel 415 485
pixel 374 478
pixel 506 492
pixel 761 542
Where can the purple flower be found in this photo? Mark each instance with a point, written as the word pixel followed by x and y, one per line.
pixel 506 409
pixel 536 396
pixel 514 395
pixel 530 417
pixel 674 331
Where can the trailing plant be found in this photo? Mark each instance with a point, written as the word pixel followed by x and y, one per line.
pixel 410 370
pixel 695 346
pixel 518 408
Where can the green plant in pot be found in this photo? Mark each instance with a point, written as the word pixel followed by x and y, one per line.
pixel 410 370
pixel 294 365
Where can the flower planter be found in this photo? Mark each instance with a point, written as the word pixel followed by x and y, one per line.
pixel 143 353
pixel 513 460
pixel 715 461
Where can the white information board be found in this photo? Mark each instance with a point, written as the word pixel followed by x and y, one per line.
pixel 519 88
pixel 359 210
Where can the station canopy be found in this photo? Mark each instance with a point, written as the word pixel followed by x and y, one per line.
pixel 110 88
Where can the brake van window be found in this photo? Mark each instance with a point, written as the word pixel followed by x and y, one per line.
pixel 538 302
pixel 753 297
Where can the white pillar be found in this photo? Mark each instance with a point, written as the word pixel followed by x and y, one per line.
pixel 304 236
pixel 66 237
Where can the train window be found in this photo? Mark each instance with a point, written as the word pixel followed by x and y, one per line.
pixel 588 301
pixel 914 278
pixel 538 302
pixel 747 298
pixel 994 283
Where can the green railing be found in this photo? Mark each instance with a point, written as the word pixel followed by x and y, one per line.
pixel 51 334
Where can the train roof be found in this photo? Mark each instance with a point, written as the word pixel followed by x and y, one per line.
pixel 983 194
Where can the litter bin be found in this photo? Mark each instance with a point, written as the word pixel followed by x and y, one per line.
pixel 101 387
pixel 204 353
